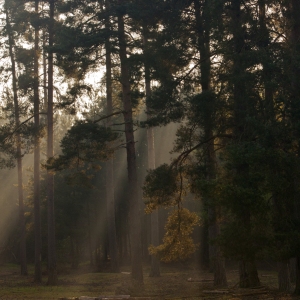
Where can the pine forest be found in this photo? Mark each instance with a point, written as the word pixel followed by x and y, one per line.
pixel 145 143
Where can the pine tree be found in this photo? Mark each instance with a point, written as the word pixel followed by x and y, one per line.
pixel 52 269
pixel 134 209
pixel 37 216
pixel 110 196
pixel 11 46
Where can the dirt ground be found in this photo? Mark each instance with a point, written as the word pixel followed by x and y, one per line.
pixel 174 283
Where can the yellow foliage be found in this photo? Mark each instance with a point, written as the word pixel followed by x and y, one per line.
pixel 178 244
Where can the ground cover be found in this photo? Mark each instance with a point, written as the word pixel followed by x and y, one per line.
pixel 175 283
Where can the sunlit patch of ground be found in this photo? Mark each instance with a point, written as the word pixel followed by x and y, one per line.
pixel 174 283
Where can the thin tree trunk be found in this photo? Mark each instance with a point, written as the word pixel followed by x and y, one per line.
pixel 89 233
pixel 23 261
pixel 203 30
pixel 36 163
pixel 110 195
pixel 267 72
pixel 134 212
pixel 52 272
pixel 23 258
pixel 155 265
pixel 74 262
pixel 45 103
pixel 204 247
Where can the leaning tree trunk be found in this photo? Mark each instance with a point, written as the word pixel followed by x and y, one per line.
pixel 23 261
pixel 52 272
pixel 203 31
pixel 110 196
pixel 134 211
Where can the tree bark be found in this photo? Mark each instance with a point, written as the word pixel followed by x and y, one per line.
pixel 294 7
pixel 284 282
pixel 52 272
pixel 134 210
pixel 248 274
pixel 204 247
pixel 45 92
pixel 292 267
pixel 23 261
pixel 89 233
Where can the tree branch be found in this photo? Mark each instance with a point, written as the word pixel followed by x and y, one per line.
pixel 21 124
pixel 108 116
pixel 186 153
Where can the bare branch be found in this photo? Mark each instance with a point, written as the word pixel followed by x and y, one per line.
pixel 108 116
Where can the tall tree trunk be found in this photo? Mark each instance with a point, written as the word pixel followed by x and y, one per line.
pixel 155 265
pixel 294 6
pixel 110 195
pixel 23 261
pixel 52 272
pixel 36 167
pixel 283 270
pixel 203 30
pixel 248 272
pixel 134 207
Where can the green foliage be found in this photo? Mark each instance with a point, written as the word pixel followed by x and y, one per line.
pixel 85 142
pixel 178 245
pixel 202 109
pixel 220 71
pixel 161 187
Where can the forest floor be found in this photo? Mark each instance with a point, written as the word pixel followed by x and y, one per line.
pixel 174 283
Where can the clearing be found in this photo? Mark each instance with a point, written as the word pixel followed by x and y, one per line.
pixel 182 282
